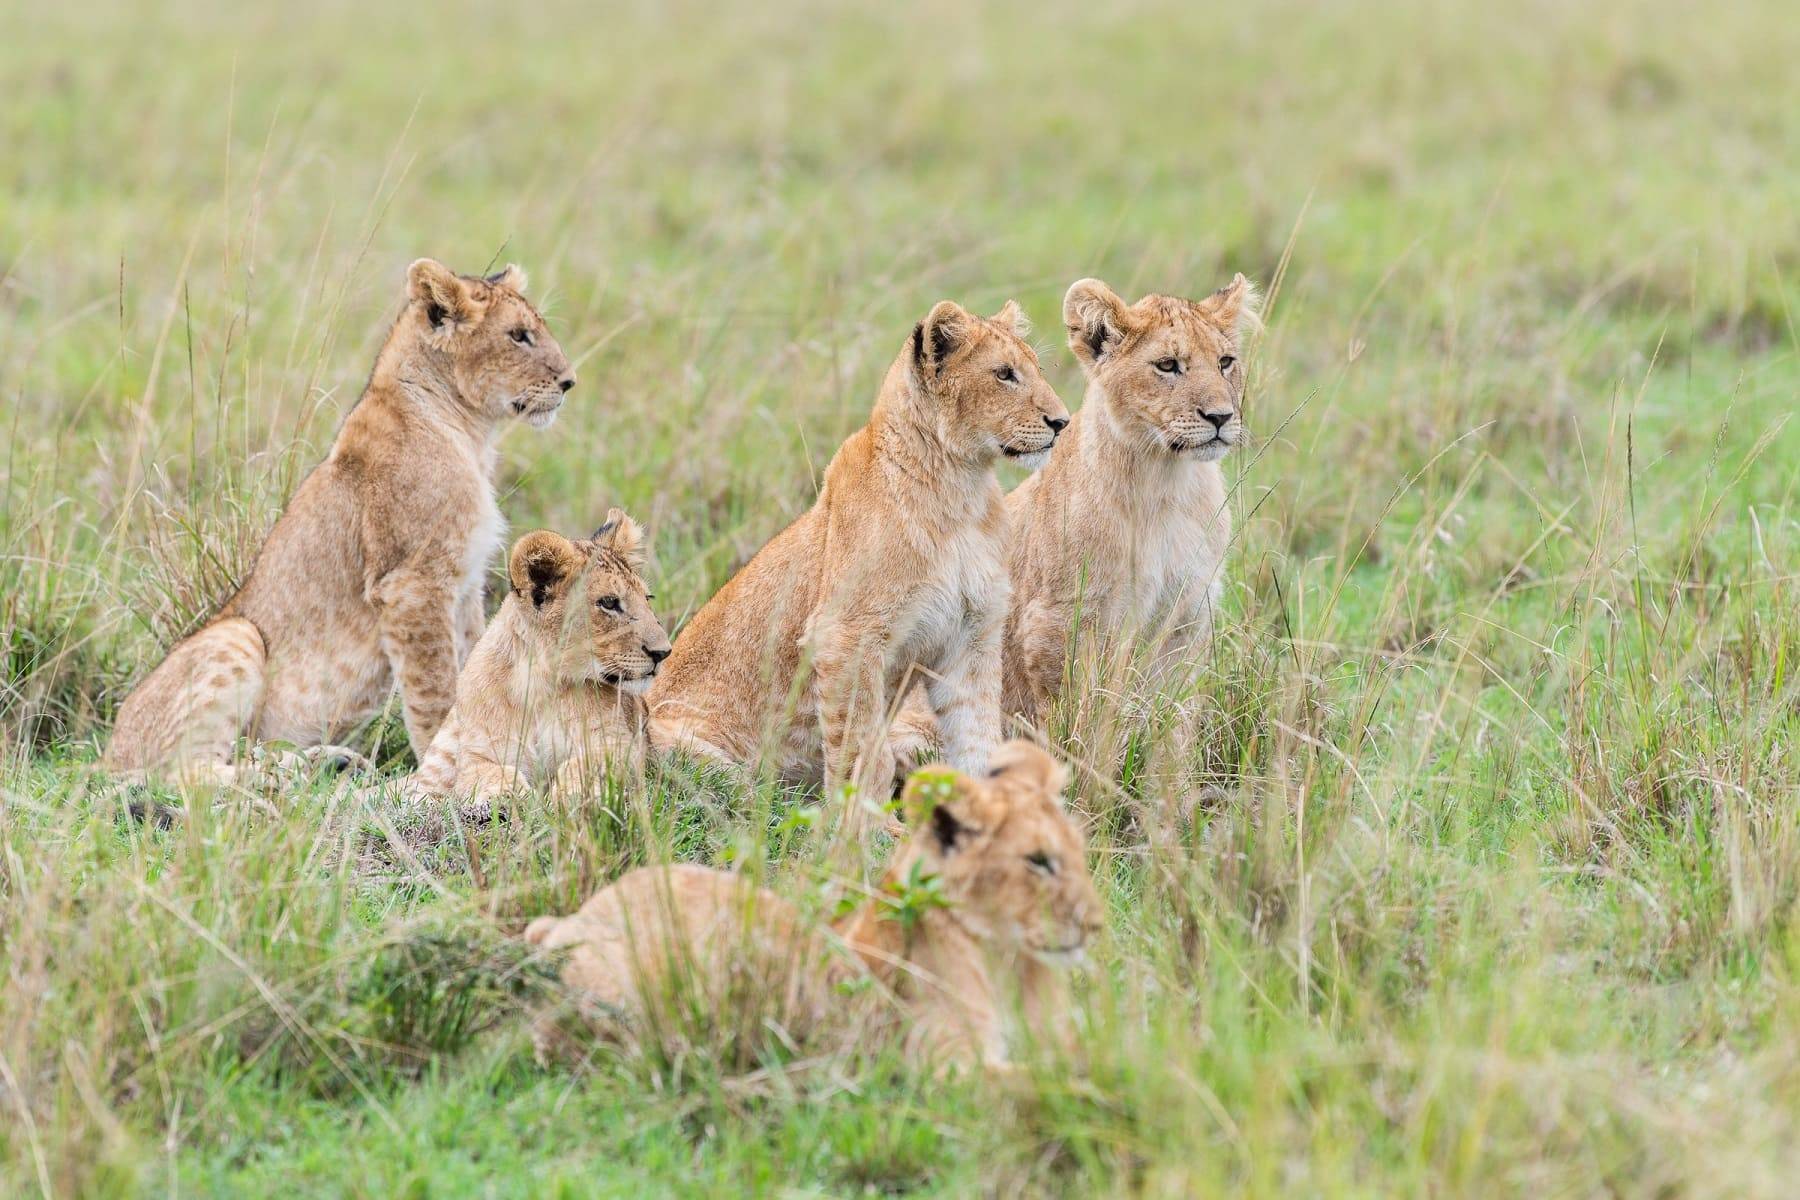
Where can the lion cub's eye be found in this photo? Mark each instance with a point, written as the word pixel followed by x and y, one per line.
pixel 1041 862
pixel 1006 375
pixel 607 603
pixel 522 336
pixel 1225 363
pixel 1168 366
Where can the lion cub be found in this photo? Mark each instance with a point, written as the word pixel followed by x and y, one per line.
pixel 551 693
pixel 897 572
pixel 1127 527
pixel 1016 902
pixel 374 574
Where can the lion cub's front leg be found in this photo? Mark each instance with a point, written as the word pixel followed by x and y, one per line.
pixel 1036 660
pixel 471 622
pixel 615 734
pixel 481 780
pixel 580 777
pixel 419 637
pixel 852 702
pixel 574 778
pixel 437 770
pixel 855 752
pixel 966 697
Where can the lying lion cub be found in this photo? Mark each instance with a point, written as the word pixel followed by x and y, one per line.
pixel 896 574
pixel 374 576
pixel 1127 527
pixel 1014 901
pixel 551 693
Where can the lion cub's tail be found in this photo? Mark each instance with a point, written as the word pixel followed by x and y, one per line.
pixel 542 928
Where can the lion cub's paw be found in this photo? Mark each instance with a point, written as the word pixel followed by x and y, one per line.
pixel 479 813
pixel 337 760
pixel 312 762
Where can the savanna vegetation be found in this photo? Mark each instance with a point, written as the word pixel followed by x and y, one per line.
pixel 1467 863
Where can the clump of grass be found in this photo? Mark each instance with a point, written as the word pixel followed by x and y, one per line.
pixel 61 675
pixel 409 1001
pixel 58 682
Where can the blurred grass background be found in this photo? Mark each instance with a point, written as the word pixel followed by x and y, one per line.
pixel 1492 884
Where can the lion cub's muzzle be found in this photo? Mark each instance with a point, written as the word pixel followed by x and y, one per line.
pixel 632 682
pixel 1033 447
pixel 1067 949
pixel 1209 438
pixel 1064 942
pixel 636 680
pixel 540 403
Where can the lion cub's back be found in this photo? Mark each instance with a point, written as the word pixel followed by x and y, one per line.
pixel 711 929
pixel 734 658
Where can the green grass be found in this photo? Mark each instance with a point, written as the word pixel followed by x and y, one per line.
pixel 1491 882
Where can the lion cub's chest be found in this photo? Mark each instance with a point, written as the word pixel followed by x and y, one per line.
pixel 1169 565
pixel 1174 568
pixel 553 723
pixel 965 589
pixel 588 723
pixel 487 528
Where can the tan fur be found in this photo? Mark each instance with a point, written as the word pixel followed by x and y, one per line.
pixel 550 695
pixel 1011 868
pixel 374 575
pixel 1126 529
pixel 897 572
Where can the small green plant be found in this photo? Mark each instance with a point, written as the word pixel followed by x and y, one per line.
pixel 930 787
pixel 908 900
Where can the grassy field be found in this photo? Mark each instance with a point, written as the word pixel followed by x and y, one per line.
pixel 1490 885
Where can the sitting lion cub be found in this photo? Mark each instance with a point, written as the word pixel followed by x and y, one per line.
pixel 1014 901
pixel 1127 527
pixel 375 573
pixel 551 693
pixel 897 573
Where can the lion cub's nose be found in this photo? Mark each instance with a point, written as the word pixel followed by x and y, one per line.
pixel 1056 424
pixel 567 381
pixel 656 656
pixel 1218 419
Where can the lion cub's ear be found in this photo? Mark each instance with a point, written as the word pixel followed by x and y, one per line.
pixel 1096 318
pixel 945 328
pixel 1012 317
pixel 1022 762
pixel 623 536
pixel 1237 307
pixel 541 563
pixel 450 305
pixel 940 803
pixel 510 276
